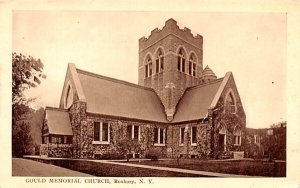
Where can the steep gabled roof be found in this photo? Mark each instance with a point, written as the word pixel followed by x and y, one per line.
pixel 108 96
pixel 117 98
pixel 58 121
pixel 196 101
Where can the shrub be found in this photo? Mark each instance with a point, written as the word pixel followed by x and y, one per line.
pixel 111 155
pixel 153 154
pixel 254 151
pixel 127 146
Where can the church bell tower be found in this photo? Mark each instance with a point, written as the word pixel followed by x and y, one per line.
pixel 170 60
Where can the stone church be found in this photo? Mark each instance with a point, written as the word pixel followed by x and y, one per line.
pixel 178 107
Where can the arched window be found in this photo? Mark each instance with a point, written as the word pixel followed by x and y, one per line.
pixel 237 137
pixel 68 96
pixel 159 61
pixel 181 60
pixel 222 138
pixel 230 105
pixel 192 65
pixel 148 66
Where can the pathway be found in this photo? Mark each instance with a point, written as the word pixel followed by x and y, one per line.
pixel 26 167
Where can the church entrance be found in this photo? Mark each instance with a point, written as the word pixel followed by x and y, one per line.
pixel 221 142
pixel 222 139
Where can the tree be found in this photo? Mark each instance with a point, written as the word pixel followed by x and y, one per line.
pixel 27 72
pixel 22 140
pixel 36 121
pixel 127 146
pixel 279 124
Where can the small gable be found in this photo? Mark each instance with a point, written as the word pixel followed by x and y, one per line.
pixel 196 101
pixel 58 121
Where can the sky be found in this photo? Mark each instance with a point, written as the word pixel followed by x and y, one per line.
pixel 250 45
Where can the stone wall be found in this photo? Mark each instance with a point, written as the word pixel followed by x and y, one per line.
pixel 79 127
pixel 187 150
pixel 171 148
pixel 117 130
pixel 56 150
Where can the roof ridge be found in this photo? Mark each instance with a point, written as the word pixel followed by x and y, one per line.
pixel 113 79
pixel 55 108
pixel 205 84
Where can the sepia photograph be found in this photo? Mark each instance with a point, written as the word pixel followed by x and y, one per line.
pixel 148 94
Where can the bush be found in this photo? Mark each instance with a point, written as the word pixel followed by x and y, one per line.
pixel 254 151
pixel 127 146
pixel 153 154
pixel 111 155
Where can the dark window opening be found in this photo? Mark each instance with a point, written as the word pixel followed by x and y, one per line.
pixel 129 131
pixel 194 134
pixel 96 131
pixel 182 135
pixel 69 139
pixel 221 142
pixel 161 136
pixel 194 69
pixel 150 69
pixel 146 71
pixel 156 135
pixel 136 132
pixel 190 68
pixel 104 132
pixel 179 62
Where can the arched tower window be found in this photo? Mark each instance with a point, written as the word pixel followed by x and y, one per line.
pixel 69 96
pixel 230 104
pixel 181 60
pixel 159 61
pixel 192 65
pixel 148 66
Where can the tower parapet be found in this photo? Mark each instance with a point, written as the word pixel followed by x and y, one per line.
pixel 170 27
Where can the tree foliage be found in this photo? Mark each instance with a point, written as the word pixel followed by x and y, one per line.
pixel 127 146
pixel 22 141
pixel 27 72
pixel 279 124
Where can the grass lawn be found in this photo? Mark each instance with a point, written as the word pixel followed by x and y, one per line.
pixel 251 168
pixel 111 170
